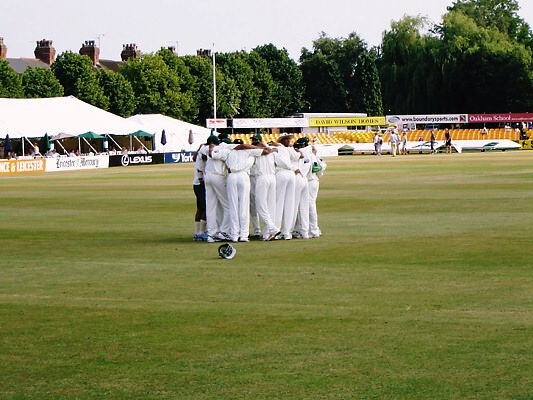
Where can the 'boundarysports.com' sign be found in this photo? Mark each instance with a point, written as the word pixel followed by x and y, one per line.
pixel 428 119
pixel 22 166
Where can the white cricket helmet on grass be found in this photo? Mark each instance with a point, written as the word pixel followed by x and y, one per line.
pixel 226 251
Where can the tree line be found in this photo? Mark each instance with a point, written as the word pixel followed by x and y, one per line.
pixel 479 58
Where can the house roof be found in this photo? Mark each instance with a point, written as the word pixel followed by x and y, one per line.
pixel 20 65
pixel 109 64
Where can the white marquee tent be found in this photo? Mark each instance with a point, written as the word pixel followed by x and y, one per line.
pixel 178 133
pixel 36 117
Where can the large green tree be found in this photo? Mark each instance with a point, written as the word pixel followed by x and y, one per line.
pixel 479 59
pixel 201 70
pixel 236 67
pixel 79 79
pixel 340 75
pixel 10 82
pixel 266 85
pixel 499 14
pixel 40 82
pixel 287 76
pixel 367 86
pixel 324 87
pixel 119 92
pixel 484 69
pixel 156 87
pixel 187 82
pixel 404 67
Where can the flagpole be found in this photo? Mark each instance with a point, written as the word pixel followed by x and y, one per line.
pixel 214 87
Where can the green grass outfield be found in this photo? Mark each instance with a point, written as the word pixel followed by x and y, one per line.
pixel 421 287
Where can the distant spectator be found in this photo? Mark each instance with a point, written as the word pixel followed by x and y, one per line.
pixel 403 142
pixel 36 152
pixel 394 140
pixel 448 142
pixel 378 141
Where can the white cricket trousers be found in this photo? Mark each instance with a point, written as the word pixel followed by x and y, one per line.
pixel 314 185
pixel 216 202
pixel 301 204
pixel 265 202
pixel 254 215
pixel 285 201
pixel 238 186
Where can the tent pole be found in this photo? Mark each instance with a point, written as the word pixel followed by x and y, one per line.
pixel 144 147
pixel 116 144
pixel 28 140
pixel 92 148
pixel 63 147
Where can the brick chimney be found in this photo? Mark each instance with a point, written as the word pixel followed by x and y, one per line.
pixel 172 49
pixel 203 53
pixel 90 50
pixel 3 49
pixel 45 51
pixel 129 51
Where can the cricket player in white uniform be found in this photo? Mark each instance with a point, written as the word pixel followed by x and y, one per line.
pixel 301 190
pixel 215 175
pixel 285 176
pixel 264 185
pixel 313 179
pixel 394 139
pixel 239 163
pixel 254 216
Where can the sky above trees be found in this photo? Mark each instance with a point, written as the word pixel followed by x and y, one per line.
pixel 232 25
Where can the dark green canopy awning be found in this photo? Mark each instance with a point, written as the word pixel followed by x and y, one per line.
pixel 90 135
pixel 141 134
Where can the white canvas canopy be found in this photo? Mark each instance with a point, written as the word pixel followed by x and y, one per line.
pixel 36 117
pixel 178 133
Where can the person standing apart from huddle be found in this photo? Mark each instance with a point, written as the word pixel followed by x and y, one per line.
pixel 285 177
pixel 199 158
pixel 403 143
pixel 448 138
pixel 432 142
pixel 239 163
pixel 377 144
pixel 393 140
